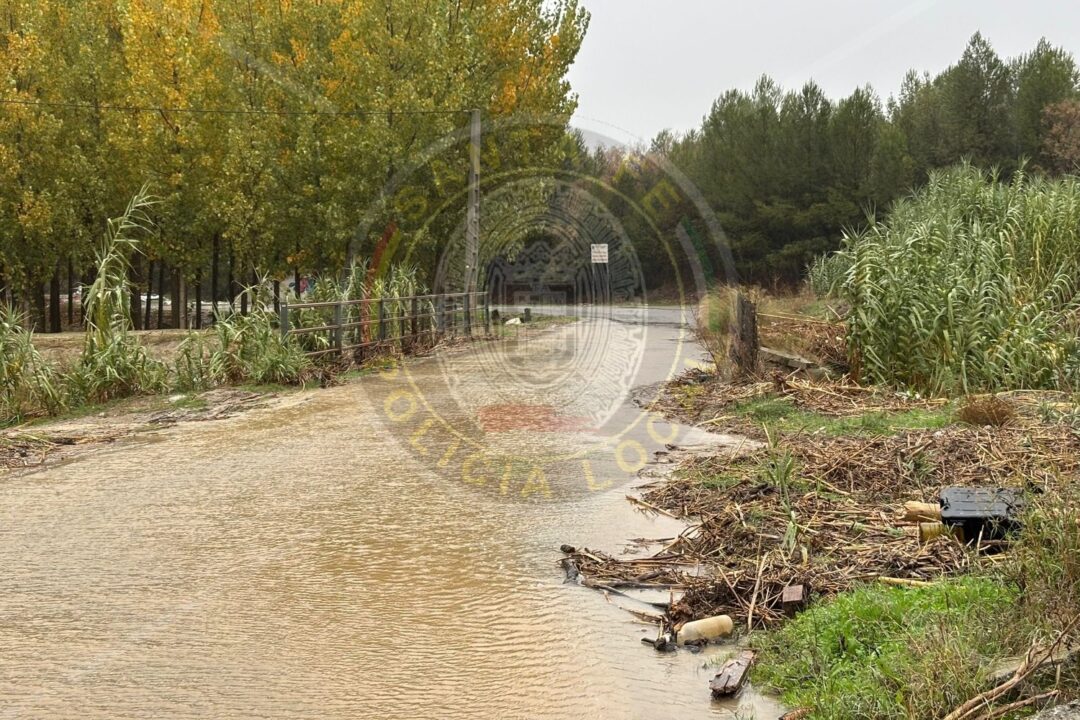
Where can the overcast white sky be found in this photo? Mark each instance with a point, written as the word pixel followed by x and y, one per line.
pixel 653 64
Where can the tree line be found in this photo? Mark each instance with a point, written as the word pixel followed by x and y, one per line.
pixel 787 171
pixel 268 131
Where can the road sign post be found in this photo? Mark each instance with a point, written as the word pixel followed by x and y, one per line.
pixel 599 257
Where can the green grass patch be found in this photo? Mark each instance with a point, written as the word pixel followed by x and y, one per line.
pixel 780 414
pixel 190 402
pixel 719 482
pixel 887 652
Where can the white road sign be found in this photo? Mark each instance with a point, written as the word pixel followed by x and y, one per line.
pixel 599 253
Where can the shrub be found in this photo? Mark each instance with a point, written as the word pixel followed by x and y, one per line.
pixel 1045 560
pixel 28 386
pixel 991 411
pixel 714 316
pixel 828 273
pixel 882 652
pixel 243 349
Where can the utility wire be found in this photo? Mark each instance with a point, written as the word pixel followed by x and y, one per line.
pixel 222 111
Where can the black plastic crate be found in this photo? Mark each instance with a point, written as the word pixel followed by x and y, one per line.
pixel 987 513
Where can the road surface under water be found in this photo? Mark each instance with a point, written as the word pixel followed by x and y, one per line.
pixel 387 548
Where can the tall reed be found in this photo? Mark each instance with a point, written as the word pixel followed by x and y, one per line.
pixel 113 362
pixel 827 273
pixel 970 284
pixel 400 282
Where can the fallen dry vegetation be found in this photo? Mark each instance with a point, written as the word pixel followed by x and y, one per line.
pixel 818 507
pixel 702 398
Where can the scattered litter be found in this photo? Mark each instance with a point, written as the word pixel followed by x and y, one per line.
pixel 794 599
pixel 710 628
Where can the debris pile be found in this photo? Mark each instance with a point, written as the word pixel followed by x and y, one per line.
pixel 821 339
pixel 821 511
pixel 703 398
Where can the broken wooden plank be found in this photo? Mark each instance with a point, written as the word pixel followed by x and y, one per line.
pixel 904 582
pixel 1008 667
pixel 779 357
pixel 732 675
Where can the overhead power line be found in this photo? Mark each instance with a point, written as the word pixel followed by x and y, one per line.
pixel 223 111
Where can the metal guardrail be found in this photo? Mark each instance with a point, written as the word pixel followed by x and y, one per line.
pixel 371 322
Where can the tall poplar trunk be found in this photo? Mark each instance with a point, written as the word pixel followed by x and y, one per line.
pixel 185 316
pixel 149 294
pixel 175 300
pixel 214 276
pixel 161 294
pixel 54 300
pixel 135 298
pixel 230 283
pixel 70 293
pixel 38 305
pixel 198 300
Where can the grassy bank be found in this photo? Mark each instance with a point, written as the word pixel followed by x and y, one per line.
pixel 969 286
pixel 889 652
pixel 924 651
pixel 817 505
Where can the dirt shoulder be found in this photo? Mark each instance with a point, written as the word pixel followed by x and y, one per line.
pixel 34 444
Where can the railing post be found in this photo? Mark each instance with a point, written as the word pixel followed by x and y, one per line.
pixel 363 316
pixel 283 319
pixel 403 320
pixel 338 330
pixel 487 314
pixel 440 315
pixel 382 320
pixel 413 311
pixel 468 315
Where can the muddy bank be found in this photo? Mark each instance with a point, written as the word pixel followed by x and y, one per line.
pixel 43 440
pixel 36 444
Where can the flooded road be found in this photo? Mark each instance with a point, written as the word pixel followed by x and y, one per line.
pixel 382 549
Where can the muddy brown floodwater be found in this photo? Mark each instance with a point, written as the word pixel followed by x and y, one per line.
pixel 383 549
